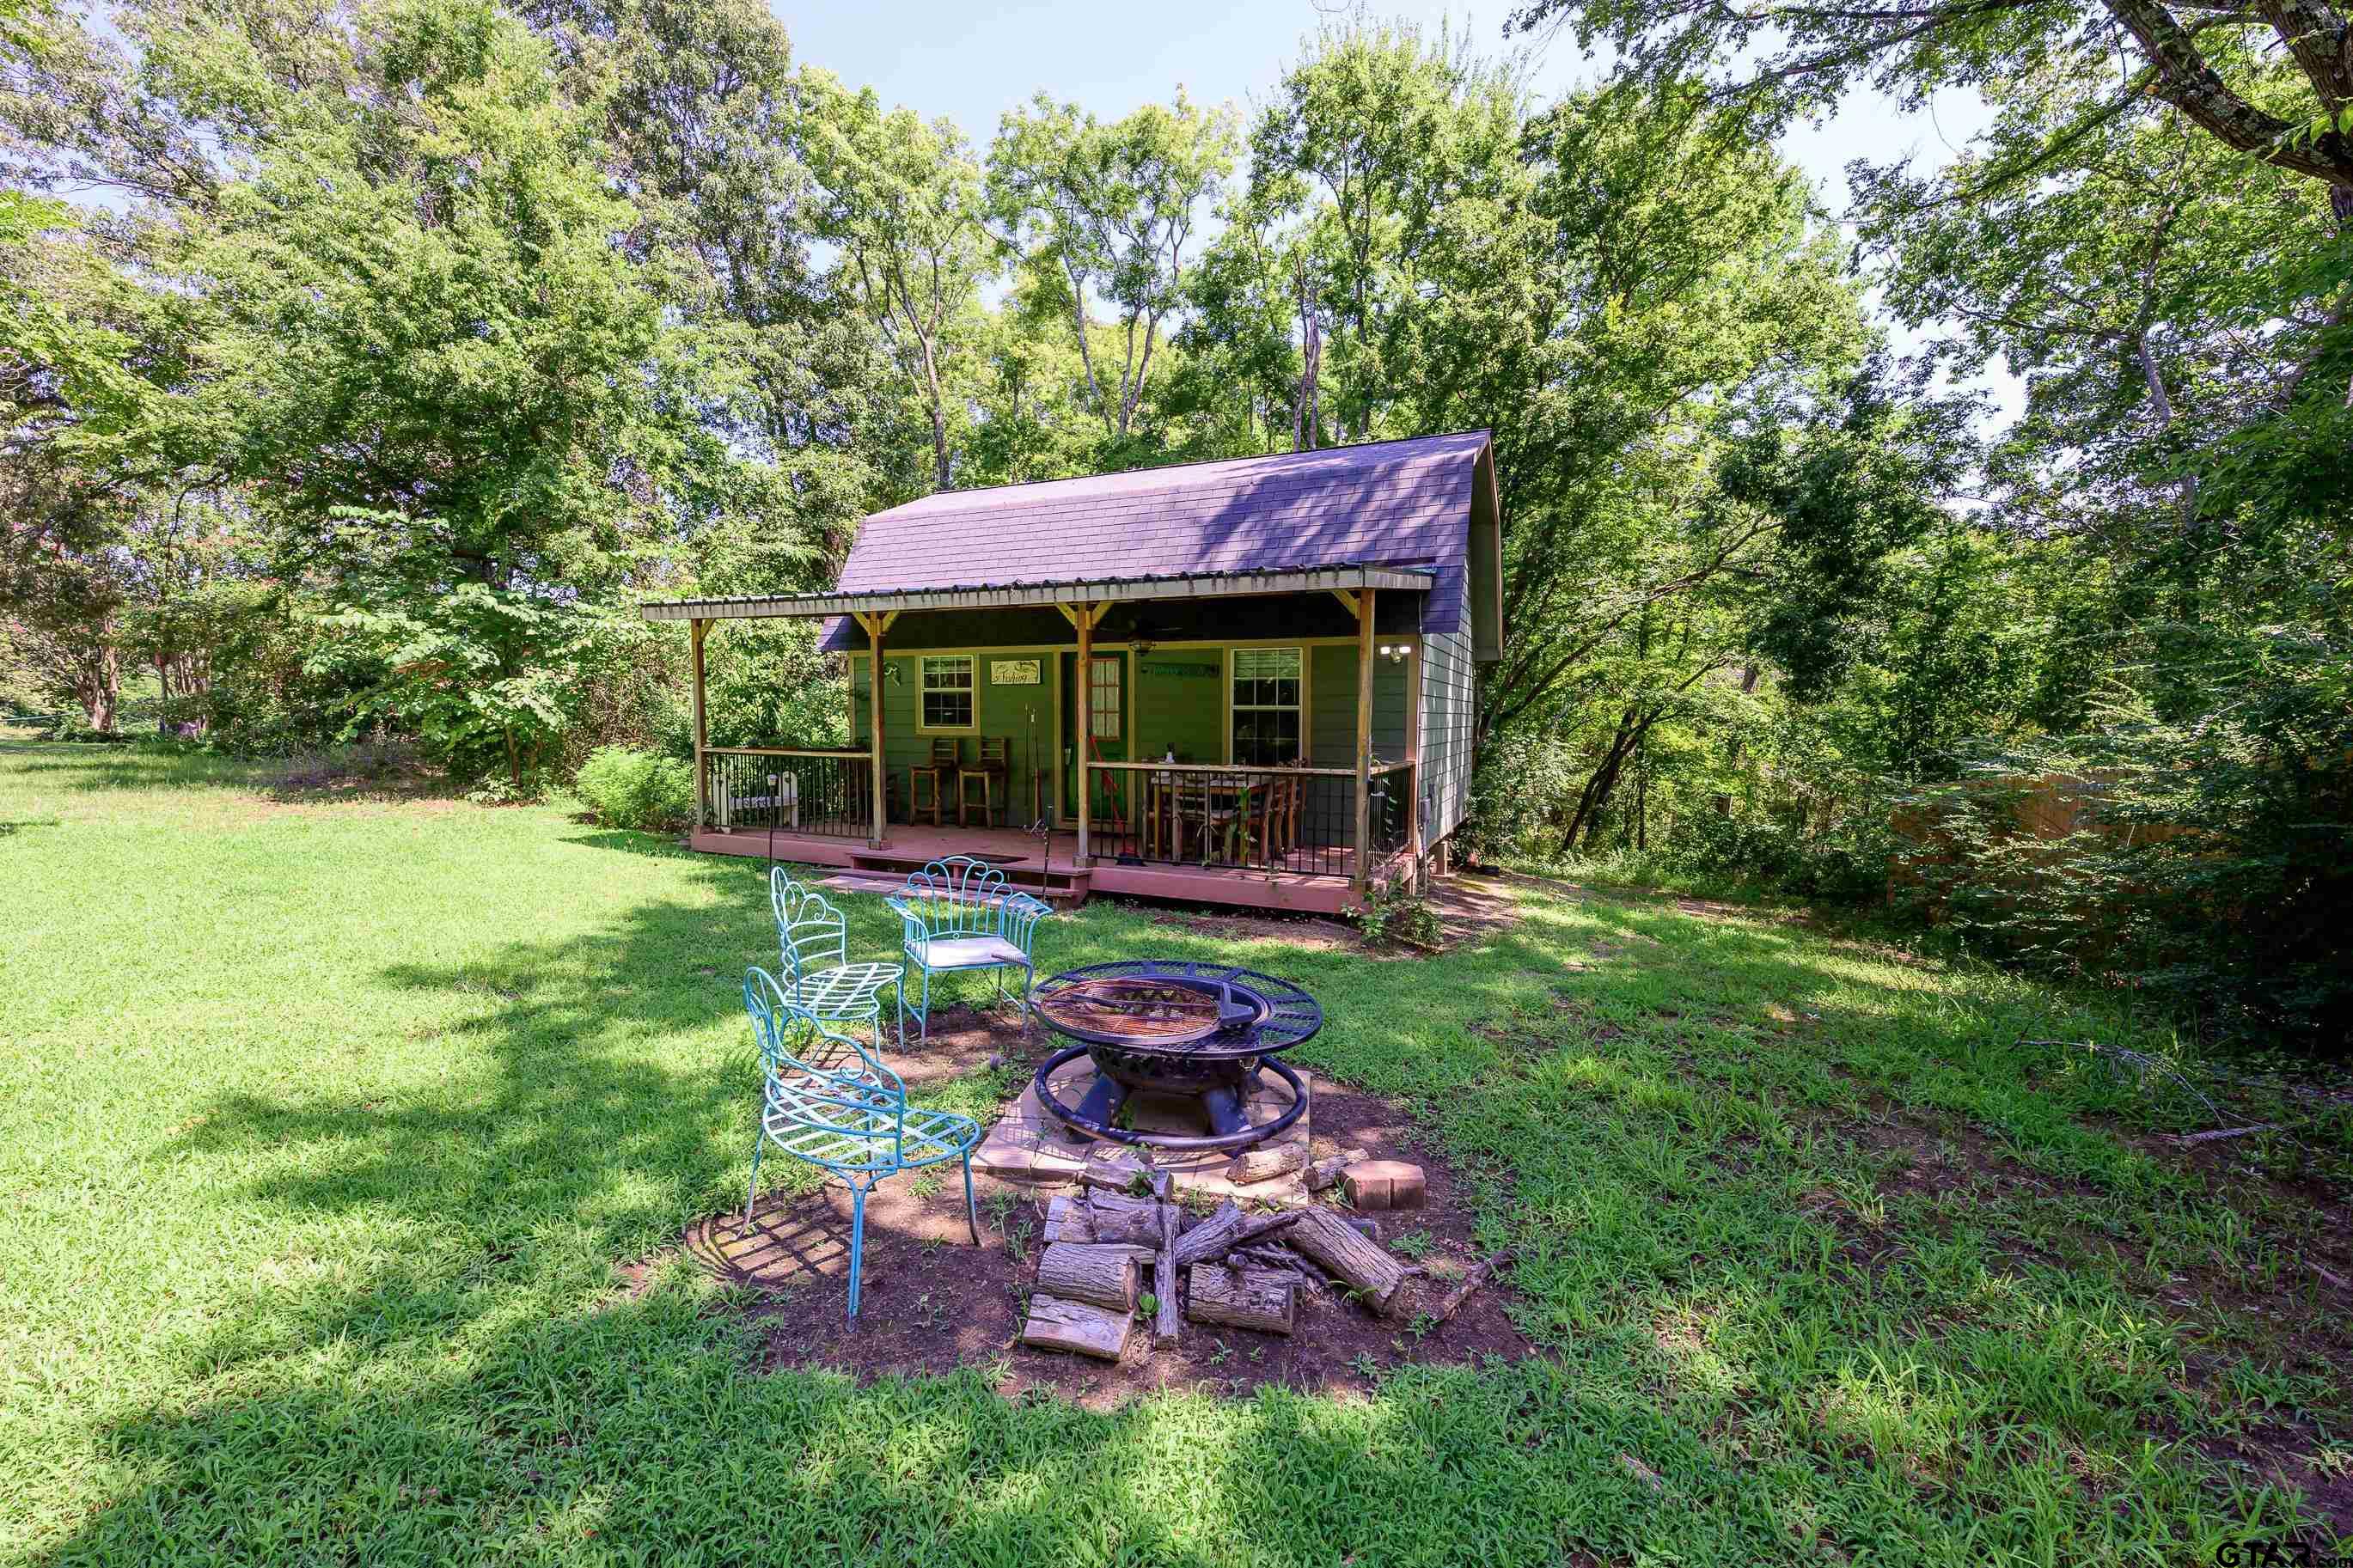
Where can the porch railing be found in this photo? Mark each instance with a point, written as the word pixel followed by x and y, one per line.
pixel 1301 821
pixel 761 789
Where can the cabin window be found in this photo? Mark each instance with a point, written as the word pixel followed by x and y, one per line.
pixel 1266 706
pixel 947 691
pixel 1102 680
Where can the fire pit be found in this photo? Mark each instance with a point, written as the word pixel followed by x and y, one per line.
pixel 1198 1031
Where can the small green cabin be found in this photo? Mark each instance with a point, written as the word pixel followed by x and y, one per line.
pixel 1248 682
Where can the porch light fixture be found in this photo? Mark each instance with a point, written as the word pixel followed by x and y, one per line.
pixel 1396 652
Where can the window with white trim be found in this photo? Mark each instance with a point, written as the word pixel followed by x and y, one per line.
pixel 1267 683
pixel 947 691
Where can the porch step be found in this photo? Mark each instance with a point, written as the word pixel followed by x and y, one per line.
pixel 1062 891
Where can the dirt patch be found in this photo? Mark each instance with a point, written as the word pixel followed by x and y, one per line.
pixel 1471 911
pixel 1311 931
pixel 930 1302
pixel 1468 911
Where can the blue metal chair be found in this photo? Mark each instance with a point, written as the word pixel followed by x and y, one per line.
pixel 813 939
pixel 958 914
pixel 828 1101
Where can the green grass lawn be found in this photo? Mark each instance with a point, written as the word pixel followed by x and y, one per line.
pixel 327 1123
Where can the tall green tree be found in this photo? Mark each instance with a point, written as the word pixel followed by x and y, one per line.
pixel 1110 211
pixel 905 205
pixel 2212 63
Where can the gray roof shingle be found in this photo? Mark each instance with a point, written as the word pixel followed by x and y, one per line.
pixel 1390 503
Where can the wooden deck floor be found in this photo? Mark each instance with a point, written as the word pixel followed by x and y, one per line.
pixel 1050 865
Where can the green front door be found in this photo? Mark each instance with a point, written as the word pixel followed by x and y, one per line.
pixel 1108 684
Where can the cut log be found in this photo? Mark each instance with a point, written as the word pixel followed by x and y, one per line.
pixel 1118 1173
pixel 1059 1325
pixel 1163 1279
pixel 1229 1229
pixel 1478 1276
pixel 1117 1218
pixel 1343 1254
pixel 1326 1174
pixel 1080 1271
pixel 1305 1275
pixel 1247 1297
pixel 1265 1162
pixel 1067 1219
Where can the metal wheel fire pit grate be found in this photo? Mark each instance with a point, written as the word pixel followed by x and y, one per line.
pixel 1201 1031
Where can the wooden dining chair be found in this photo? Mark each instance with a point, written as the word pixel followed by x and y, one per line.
pixel 993 769
pixel 1279 817
pixel 947 756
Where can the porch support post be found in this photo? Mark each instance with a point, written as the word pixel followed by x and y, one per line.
pixel 1363 743
pixel 875 625
pixel 696 631
pixel 1413 754
pixel 1085 709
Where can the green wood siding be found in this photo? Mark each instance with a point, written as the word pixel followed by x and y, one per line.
pixel 1333 722
pixel 1180 704
pixel 997 711
pixel 1449 695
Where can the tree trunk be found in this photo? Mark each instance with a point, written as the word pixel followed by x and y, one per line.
pixel 1257 1298
pixel 1112 1217
pixel 1228 1228
pixel 1099 1276
pixel 1349 1259
pixel 100 686
pixel 1058 1325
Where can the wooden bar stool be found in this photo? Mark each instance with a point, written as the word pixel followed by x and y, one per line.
pixel 946 758
pixel 993 769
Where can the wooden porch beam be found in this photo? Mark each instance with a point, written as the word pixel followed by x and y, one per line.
pixel 1348 601
pixel 1083 672
pixel 696 631
pixel 875 625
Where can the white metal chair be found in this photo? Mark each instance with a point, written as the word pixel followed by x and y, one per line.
pixel 959 914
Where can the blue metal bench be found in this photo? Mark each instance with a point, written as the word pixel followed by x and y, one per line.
pixel 959 914
pixel 828 1101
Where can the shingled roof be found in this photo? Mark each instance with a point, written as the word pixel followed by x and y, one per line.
pixel 1407 503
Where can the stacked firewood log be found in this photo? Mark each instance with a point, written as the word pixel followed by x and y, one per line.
pixel 1105 1250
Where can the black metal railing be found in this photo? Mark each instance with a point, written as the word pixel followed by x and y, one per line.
pixel 1301 821
pixel 762 789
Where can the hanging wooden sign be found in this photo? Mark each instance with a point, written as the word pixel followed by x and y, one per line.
pixel 1014 672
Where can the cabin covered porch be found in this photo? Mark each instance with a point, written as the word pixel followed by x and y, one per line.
pixel 1248 739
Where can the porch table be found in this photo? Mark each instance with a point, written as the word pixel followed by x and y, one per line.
pixel 1162 795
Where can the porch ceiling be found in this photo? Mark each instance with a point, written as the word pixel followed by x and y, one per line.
pixel 1034 595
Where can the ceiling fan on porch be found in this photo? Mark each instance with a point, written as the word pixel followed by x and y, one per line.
pixel 1145 630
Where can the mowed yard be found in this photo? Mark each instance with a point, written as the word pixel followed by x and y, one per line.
pixel 330 1124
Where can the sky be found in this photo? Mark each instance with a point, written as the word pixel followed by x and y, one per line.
pixel 973 61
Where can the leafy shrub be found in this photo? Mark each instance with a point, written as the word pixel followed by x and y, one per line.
pixel 2207 864
pixel 1848 868
pixel 1393 914
pixel 72 727
pixel 627 788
